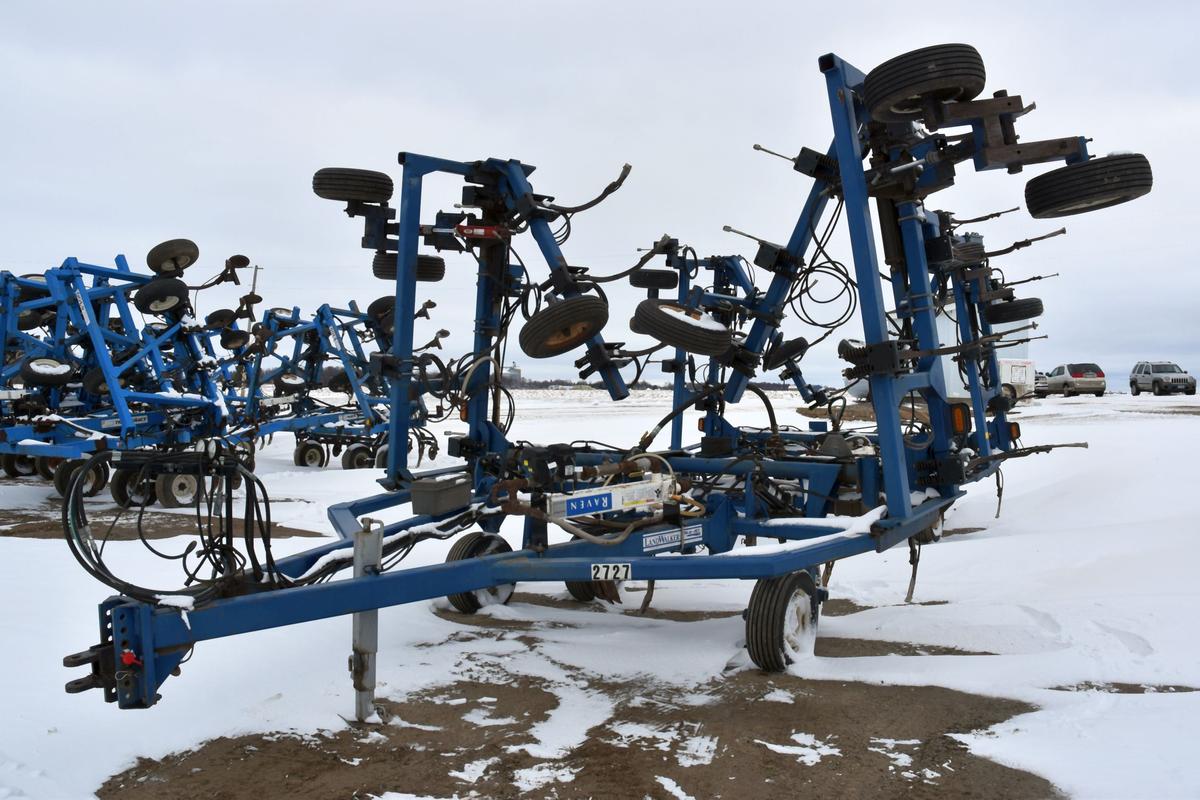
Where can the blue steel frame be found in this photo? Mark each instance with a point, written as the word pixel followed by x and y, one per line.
pixel 159 637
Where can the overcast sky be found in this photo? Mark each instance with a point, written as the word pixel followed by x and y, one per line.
pixel 129 123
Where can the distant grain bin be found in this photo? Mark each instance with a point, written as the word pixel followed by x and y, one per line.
pixel 512 374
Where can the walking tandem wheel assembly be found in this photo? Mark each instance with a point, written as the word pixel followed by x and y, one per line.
pixel 824 493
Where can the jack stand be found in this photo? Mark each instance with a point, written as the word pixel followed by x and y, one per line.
pixel 368 551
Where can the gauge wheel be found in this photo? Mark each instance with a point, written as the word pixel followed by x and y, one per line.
pixel 683 327
pixel 46 371
pixel 128 492
pixel 289 384
pixel 898 89
pixel 430 269
pixel 340 382
pixel 221 318
pixel 172 257
pixel 177 490
pixel 781 621
pixel 18 466
pixel 309 455
pixel 475 545
pixel 1015 310
pixel 357 456
pixel 345 184
pixel 44 466
pixel 1089 185
pixel 94 382
pixel 561 327
pixel 68 470
pixel 233 339
pixel 161 295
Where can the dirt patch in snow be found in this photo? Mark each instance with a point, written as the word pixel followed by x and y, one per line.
pixel 748 734
pixel 752 735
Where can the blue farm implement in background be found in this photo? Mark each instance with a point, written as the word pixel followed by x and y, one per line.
pixel 824 492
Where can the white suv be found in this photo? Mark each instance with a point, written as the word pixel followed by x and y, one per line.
pixel 1160 377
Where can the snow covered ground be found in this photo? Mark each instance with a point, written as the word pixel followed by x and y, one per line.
pixel 1084 582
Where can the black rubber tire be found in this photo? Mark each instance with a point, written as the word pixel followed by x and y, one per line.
pixel 161 295
pixel 664 321
pixel 345 184
pixel 1014 310
pixel 357 456
pixel 17 465
pixel 64 475
pixel 94 383
pixel 221 318
pixel 340 382
pixel 1158 390
pixel 309 455
pixel 767 615
pixel 172 257
pixel 474 545
pixel 1099 394
pixel 44 466
pixel 561 327
pixel 27 320
pixel 26 293
pixel 894 91
pixel 381 307
pixel 430 269
pixel 1134 389
pixel 583 591
pixel 233 339
pixel 289 384
pixel 1088 186
pixel 1190 392
pixel 33 377
pixel 1009 391
pixel 125 495
pixel 178 490
pixel 381 456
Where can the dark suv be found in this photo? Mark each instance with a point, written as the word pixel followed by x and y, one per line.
pixel 1160 377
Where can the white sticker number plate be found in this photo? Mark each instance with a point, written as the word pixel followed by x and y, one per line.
pixel 610 572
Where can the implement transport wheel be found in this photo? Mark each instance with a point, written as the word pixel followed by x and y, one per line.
pixel 430 269
pixel 781 621
pixel 678 326
pixel 309 454
pixel 381 456
pixel 340 382
pixel 67 472
pixel 128 492
pixel 1014 310
pixel 18 466
pixel 357 456
pixel 46 371
pixel 172 257
pixel 161 295
pixel 561 327
pixel 475 545
pixel 177 490
pixel 583 591
pixel 1088 185
pixel 345 184
pixel 44 466
pixel 899 89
